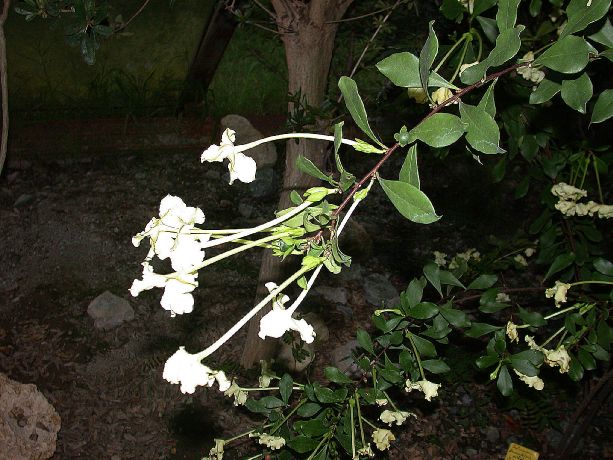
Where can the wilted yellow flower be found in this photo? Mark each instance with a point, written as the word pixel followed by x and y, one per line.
pixel 512 332
pixel 216 453
pixel 559 357
pixel 274 442
pixel 397 417
pixel 240 395
pixel 439 258
pixel 441 95
pixel 529 252
pixel 382 438
pixel 567 192
pixel 535 382
pixel 429 389
pixel 381 402
pixel 558 292
pixel 366 451
pixel 521 260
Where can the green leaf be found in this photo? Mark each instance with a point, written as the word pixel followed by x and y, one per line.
pixel 535 7
pixel 507 14
pixel 424 347
pixel 487 102
pixel 605 35
pixel 483 133
pixel 338 139
pixel 354 104
pixel 487 361
pixel 483 282
pixel 307 166
pixel 527 361
pixel 423 310
pixel 577 92
pixel 586 359
pixel 607 54
pixel 411 202
pixel 433 274
pixel 365 341
pixel 507 46
pixel 568 55
pixel 311 428
pixel 450 279
pixel 533 318
pixel 335 375
pixel 302 444
pixel 604 266
pixel 560 263
pixel 504 383
pixel 478 329
pixel 308 409
pixel 286 385
pixel 603 109
pixel 271 402
pixel 582 13
pixel 436 366
pixel 544 91
pixel 482 5
pixel 489 27
pixel 454 317
pixel 426 57
pixel 328 396
pixel 402 69
pixel 414 292
pixel 575 369
pixel 439 130
pixel 409 172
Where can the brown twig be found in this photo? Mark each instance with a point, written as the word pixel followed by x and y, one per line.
pixel 357 18
pixel 139 11
pixel 435 110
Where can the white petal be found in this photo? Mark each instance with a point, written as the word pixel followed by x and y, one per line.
pixel 213 153
pixel 241 167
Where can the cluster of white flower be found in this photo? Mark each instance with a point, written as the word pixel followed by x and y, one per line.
pixel 173 236
pixel 274 442
pixel 568 205
pixel 512 332
pixel 466 256
pixel 186 369
pixel 279 320
pixel 241 167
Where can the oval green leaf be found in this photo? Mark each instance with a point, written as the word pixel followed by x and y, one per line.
pixel 411 202
pixel 439 130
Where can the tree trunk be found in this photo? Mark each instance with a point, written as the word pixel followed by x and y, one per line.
pixel 308 36
pixel 4 86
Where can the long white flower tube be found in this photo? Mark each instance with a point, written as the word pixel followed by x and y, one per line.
pixel 259 228
pixel 234 329
pixel 278 137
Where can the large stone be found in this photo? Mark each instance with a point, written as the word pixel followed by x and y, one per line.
pixel 380 291
pixel 28 423
pixel 109 311
pixel 265 155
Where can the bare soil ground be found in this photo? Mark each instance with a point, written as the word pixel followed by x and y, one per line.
pixel 66 227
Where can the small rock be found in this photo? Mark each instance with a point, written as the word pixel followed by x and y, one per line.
pixel 322 334
pixel 265 155
pixel 355 241
pixel 341 357
pixel 379 290
pixel 109 311
pixel 466 400
pixel 336 295
pixel 28 422
pixel 23 200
